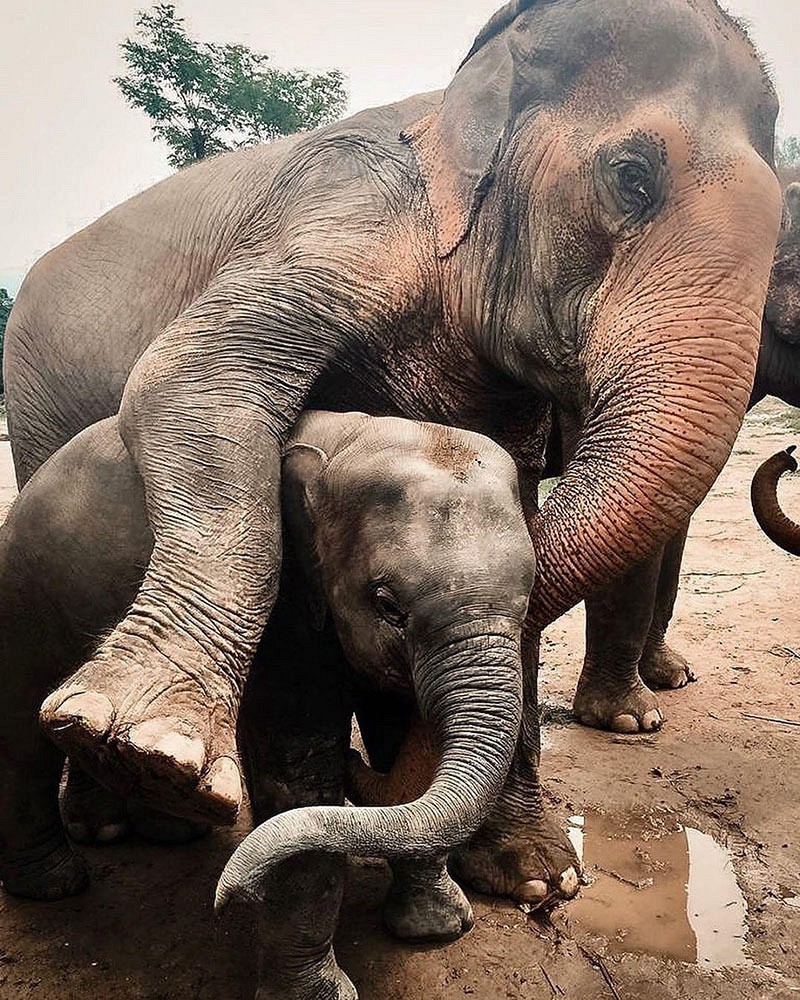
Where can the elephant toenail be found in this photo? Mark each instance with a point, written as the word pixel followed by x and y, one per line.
pixel 111 833
pixel 88 711
pixel 173 739
pixel 79 832
pixel 535 891
pixel 653 720
pixel 569 883
pixel 625 724
pixel 224 783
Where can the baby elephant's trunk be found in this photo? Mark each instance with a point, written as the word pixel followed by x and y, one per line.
pixel 475 705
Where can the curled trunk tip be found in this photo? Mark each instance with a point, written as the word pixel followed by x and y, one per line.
pixel 764 498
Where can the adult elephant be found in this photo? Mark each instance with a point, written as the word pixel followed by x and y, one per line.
pixel 626 651
pixel 587 214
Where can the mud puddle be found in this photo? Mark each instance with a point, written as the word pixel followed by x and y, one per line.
pixel 659 888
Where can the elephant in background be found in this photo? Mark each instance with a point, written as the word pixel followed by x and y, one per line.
pixel 626 651
pixel 407 574
pixel 586 215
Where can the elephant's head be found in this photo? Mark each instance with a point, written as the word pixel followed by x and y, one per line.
pixel 778 372
pixel 764 496
pixel 413 537
pixel 602 192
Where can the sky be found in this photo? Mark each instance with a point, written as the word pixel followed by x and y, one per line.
pixel 70 148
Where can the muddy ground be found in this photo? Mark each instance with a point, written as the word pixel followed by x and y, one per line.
pixel 663 916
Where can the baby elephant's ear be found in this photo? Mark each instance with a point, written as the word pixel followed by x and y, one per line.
pixel 302 467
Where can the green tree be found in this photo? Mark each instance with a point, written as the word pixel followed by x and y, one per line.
pixel 204 98
pixel 6 302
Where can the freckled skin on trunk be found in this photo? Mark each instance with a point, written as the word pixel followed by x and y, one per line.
pixel 554 249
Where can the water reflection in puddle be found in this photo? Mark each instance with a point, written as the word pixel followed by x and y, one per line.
pixel 660 889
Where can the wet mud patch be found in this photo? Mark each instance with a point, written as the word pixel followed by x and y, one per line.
pixel 659 887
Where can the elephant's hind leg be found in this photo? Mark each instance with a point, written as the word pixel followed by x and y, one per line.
pixel 661 666
pixel 610 692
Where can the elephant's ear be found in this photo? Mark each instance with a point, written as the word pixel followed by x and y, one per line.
pixel 456 146
pixel 303 464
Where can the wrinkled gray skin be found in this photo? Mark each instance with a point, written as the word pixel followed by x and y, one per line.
pixel 627 656
pixel 590 201
pixel 408 571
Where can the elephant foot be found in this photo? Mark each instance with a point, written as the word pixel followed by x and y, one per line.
pixel 45 875
pixel 662 668
pixel 162 828
pixel 420 910
pixel 91 814
pixel 321 981
pixel 152 733
pixel 528 860
pixel 604 702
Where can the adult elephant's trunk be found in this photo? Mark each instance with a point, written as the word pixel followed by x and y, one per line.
pixel 474 703
pixel 764 497
pixel 669 361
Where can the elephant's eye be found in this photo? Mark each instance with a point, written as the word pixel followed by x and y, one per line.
pixel 388 608
pixel 635 187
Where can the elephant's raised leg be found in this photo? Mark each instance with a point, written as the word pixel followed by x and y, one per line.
pixel 660 665
pixel 610 692
pixel 203 415
pixel 294 734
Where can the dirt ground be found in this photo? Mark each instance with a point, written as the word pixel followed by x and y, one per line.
pixel 662 917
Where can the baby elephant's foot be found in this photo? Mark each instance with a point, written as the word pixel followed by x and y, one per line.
pixel 661 667
pixel 91 814
pixel 147 731
pixel 621 706
pixel 47 873
pixel 320 981
pixel 529 860
pixel 426 907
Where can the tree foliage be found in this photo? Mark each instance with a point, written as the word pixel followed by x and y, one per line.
pixel 204 98
pixel 6 302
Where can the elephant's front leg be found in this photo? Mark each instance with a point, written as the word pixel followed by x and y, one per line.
pixel 204 415
pixel 522 851
pixel 610 692
pixel 660 665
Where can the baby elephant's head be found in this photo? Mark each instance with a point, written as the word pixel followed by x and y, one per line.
pixel 420 545
pixel 413 538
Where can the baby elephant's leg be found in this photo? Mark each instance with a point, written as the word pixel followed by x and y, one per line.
pixel 423 903
pixel 294 732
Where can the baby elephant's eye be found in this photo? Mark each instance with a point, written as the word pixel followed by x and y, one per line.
pixel 388 608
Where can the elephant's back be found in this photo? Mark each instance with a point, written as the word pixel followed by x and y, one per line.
pixel 90 307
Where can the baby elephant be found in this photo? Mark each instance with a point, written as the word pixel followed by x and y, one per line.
pixel 406 578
